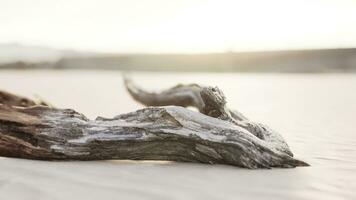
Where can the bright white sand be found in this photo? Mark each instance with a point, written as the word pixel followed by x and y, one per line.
pixel 315 113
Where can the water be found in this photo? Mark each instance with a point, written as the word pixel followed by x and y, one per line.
pixel 316 113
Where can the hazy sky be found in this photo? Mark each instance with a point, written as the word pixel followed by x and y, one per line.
pixel 179 25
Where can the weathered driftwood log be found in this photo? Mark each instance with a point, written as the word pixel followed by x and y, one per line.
pixel 155 133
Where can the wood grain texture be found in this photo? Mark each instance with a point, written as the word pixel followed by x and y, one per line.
pixel 171 133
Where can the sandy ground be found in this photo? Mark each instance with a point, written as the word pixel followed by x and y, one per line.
pixel 26 179
pixel 315 113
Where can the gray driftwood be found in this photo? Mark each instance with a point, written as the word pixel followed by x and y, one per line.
pixel 213 135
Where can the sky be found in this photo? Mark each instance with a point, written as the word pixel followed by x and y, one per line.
pixel 179 26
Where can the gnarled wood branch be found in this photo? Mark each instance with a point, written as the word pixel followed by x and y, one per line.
pixel 155 133
pixel 210 101
pixel 183 95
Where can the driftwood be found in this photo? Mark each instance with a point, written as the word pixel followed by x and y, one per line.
pixel 213 135
pixel 9 99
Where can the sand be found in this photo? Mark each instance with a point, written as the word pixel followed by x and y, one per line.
pixel 315 113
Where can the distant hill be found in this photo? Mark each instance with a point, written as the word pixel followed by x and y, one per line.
pixel 327 60
pixel 12 53
pixel 305 61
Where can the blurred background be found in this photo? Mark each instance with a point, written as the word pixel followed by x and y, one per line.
pixel 285 63
pixel 179 35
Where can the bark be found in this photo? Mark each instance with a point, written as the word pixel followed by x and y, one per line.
pixel 169 133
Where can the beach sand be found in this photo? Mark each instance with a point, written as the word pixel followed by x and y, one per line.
pixel 314 112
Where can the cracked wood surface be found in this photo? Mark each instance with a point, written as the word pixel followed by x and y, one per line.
pixel 174 133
